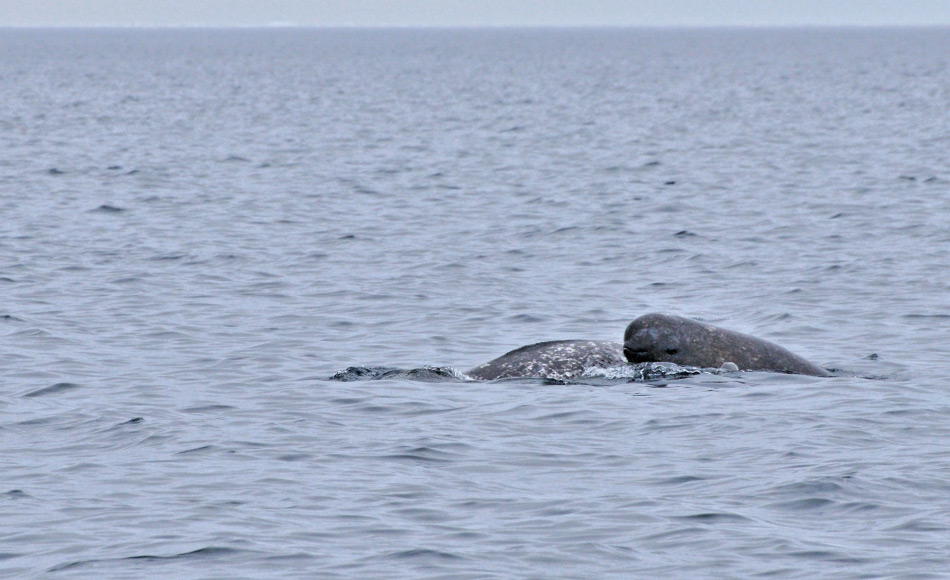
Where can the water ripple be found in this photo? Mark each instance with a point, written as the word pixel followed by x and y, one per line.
pixel 201 229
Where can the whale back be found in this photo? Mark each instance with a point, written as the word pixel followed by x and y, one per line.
pixel 556 359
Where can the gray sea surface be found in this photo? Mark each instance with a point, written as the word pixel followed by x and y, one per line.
pixel 198 229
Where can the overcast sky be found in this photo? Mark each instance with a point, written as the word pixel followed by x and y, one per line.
pixel 473 12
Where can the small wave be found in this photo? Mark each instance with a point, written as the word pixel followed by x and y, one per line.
pixel 525 319
pixel 200 449
pixel 210 551
pixel 420 455
pixel 919 525
pixel 208 408
pixel 107 208
pixel 132 421
pixel 713 518
pixel 804 504
pixel 52 390
pixel 680 480
pixel 425 554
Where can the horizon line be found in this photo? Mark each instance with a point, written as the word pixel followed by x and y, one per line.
pixel 281 25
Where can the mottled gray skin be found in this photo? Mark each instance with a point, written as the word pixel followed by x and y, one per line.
pixel 686 342
pixel 558 359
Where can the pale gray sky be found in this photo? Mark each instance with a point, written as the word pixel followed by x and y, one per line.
pixel 473 12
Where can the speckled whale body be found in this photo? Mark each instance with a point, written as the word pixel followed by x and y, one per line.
pixel 686 342
pixel 558 359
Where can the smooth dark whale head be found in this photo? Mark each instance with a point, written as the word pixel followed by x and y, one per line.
pixel 687 342
pixel 656 338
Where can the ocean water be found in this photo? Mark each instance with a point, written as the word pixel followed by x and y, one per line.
pixel 198 229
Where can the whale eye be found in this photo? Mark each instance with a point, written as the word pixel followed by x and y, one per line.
pixel 672 351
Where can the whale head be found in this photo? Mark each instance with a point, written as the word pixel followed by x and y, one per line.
pixel 659 338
